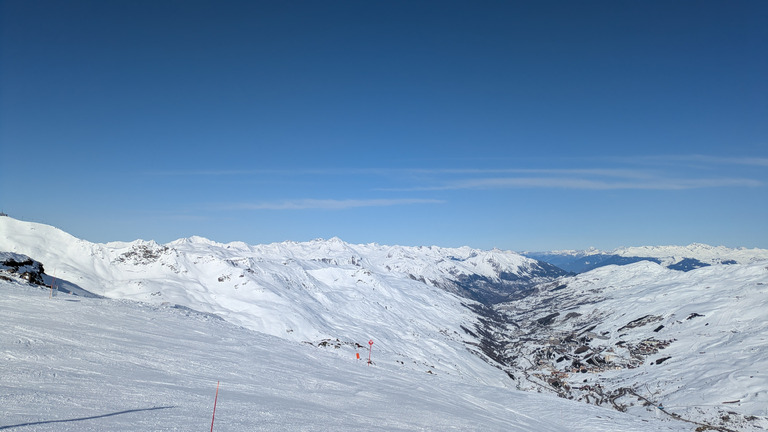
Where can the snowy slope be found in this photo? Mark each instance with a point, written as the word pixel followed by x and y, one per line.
pixel 594 337
pixel 627 336
pixel 86 364
pixel 306 292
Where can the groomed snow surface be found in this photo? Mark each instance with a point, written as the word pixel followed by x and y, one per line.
pixel 88 364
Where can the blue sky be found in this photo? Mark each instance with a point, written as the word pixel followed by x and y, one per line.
pixel 519 125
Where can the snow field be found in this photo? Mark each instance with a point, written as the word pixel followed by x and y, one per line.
pixel 72 363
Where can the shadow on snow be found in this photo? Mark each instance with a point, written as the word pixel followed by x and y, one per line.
pixel 85 418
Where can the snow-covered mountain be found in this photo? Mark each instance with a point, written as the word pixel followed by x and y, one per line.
pixel 683 258
pixel 629 337
pixel 402 297
pixel 641 336
pixel 669 255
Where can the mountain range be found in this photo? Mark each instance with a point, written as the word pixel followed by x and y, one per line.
pixel 682 258
pixel 642 338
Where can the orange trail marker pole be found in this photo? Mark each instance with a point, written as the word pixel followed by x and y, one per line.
pixel 214 404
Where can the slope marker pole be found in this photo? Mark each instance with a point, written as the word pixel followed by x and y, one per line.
pixel 53 281
pixel 214 404
pixel 370 348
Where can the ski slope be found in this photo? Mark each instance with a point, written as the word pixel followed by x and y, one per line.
pixel 89 364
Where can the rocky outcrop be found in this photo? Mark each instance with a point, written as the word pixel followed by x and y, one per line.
pixel 22 266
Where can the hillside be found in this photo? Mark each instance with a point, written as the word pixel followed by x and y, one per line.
pixel 641 336
pixel 405 298
pixel 687 346
pixel 89 364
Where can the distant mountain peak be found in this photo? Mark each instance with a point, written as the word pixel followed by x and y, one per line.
pixel 694 255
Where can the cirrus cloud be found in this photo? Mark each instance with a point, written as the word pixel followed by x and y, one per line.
pixel 331 204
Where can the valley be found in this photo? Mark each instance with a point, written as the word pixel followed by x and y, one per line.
pixel 685 348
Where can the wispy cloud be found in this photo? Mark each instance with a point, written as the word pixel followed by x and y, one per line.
pixel 330 204
pixel 620 167
pixel 650 172
pixel 649 178
pixel 690 160
pixel 576 182
pixel 287 172
pixel 749 161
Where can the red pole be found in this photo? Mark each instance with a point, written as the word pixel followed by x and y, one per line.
pixel 214 404
pixel 370 348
